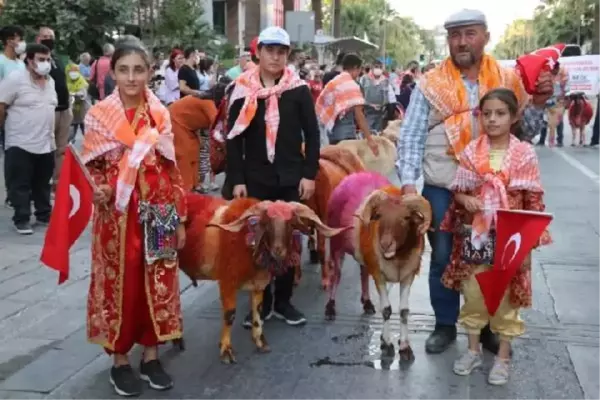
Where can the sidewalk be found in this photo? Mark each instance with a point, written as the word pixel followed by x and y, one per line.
pixel 44 353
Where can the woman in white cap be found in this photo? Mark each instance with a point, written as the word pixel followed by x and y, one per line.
pixel 270 109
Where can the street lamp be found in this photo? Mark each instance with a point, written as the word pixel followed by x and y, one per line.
pixel 383 21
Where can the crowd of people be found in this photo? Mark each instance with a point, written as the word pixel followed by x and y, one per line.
pixel 147 125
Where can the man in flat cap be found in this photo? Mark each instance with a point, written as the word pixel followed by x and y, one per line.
pixel 441 120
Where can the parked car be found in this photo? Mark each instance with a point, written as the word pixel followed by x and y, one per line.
pixel 571 50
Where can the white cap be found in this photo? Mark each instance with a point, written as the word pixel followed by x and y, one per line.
pixel 274 35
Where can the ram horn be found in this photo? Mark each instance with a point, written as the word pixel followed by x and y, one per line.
pixel 421 206
pixel 304 212
pixel 238 224
pixel 367 211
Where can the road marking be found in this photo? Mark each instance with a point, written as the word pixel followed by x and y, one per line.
pixel 579 166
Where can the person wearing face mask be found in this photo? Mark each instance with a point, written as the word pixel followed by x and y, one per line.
pixel 379 93
pixel 30 145
pixel 64 114
pixel 14 46
pixel 78 90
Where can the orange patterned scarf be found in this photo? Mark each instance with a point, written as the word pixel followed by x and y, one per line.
pixel 249 87
pixel 107 128
pixel 446 92
pixel 520 171
pixel 338 96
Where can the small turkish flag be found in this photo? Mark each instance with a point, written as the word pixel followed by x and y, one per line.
pixel 517 232
pixel 70 215
pixel 531 65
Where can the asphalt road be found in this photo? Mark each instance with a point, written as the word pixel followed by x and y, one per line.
pixel 43 352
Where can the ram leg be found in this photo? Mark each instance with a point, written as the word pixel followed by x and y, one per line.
pixel 257 324
pixel 387 347
pixel 335 263
pixel 312 248
pixel 406 353
pixel 228 303
pixel 365 298
pixel 325 268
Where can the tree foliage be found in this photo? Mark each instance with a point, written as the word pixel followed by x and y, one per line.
pixel 554 21
pixel 180 23
pixel 80 25
pixel 405 40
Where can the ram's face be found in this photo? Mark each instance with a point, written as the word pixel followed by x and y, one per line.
pixel 275 229
pixel 396 223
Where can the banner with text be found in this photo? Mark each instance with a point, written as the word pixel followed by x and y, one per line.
pixel 584 72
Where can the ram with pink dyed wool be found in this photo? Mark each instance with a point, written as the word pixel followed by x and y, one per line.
pixel 387 242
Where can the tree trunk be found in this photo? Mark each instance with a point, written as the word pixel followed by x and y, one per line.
pixel 337 22
pixel 596 38
pixel 317 7
pixel 288 5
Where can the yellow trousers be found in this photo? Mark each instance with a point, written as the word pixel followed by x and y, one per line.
pixel 474 315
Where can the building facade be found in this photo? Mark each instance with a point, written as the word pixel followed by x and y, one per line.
pixel 241 20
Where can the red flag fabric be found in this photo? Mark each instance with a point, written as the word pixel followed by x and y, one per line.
pixel 531 65
pixel 254 46
pixel 517 232
pixel 70 215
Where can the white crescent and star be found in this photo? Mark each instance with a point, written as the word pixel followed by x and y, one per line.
pixel 516 239
pixel 76 200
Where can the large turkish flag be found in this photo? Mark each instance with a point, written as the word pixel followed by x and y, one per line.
pixel 70 215
pixel 517 232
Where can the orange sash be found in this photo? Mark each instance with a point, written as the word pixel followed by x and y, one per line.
pixel 445 90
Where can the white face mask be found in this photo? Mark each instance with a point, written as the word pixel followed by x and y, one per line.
pixel 43 68
pixel 20 48
pixel 377 71
pixel 73 75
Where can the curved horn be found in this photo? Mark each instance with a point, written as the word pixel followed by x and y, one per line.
pixel 419 204
pixel 367 212
pixel 303 211
pixel 236 226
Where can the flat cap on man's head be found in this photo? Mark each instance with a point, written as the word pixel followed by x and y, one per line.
pixel 465 17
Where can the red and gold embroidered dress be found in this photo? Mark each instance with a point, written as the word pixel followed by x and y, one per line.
pixel 131 301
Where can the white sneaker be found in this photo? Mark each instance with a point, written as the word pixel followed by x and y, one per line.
pixel 467 363
pixel 499 372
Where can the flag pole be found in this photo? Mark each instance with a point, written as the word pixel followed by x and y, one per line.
pixel 86 173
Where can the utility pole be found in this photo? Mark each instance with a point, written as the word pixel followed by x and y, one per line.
pixel 579 19
pixel 596 38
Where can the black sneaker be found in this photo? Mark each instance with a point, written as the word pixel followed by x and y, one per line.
pixel 124 381
pixel 24 228
pixel 42 222
pixel 7 203
pixel 267 313
pixel 440 339
pixel 153 373
pixel 289 314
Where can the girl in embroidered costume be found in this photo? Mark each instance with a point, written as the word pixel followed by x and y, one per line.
pixel 137 229
pixel 496 170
